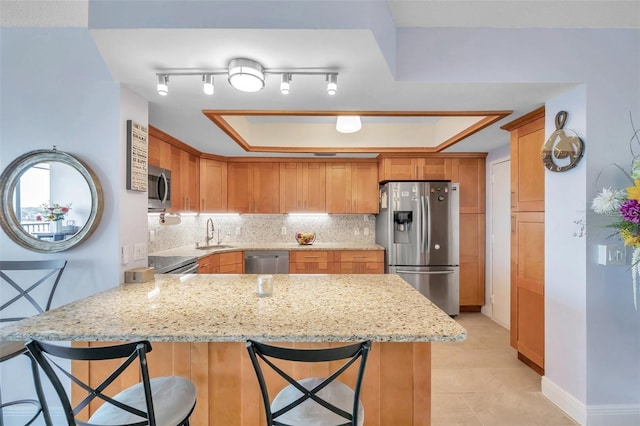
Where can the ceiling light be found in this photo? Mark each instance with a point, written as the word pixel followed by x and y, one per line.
pixel 246 75
pixel 332 84
pixel 348 123
pixel 208 84
pixel 285 83
pixel 162 86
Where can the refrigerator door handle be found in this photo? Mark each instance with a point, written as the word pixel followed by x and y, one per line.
pixel 449 271
pixel 425 224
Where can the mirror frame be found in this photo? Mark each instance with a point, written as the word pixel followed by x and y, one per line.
pixel 10 178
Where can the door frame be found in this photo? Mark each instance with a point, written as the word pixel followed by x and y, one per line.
pixel 487 309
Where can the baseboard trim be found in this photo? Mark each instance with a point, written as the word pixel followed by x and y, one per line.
pixel 564 400
pixel 593 415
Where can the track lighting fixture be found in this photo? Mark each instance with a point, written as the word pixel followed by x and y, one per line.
pixel 248 75
pixel 332 84
pixel 285 83
pixel 208 84
pixel 162 84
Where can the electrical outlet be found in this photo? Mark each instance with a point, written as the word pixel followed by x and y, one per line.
pixel 124 255
pixel 139 251
pixel 283 230
pixel 366 231
pixel 238 230
pixel 356 231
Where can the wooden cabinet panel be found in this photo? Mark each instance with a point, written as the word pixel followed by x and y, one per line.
pixel 359 256
pixel 159 153
pixel 253 187
pixel 213 186
pixel 209 264
pixel 352 188
pixel 302 187
pixel 359 262
pixel 527 171
pixel 311 262
pixel 527 285
pixel 190 169
pixel 470 174
pixel 222 263
pixel 415 168
pixel 434 168
pixel 472 259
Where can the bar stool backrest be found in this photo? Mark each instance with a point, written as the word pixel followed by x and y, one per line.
pixel 350 353
pixel 48 357
pixel 25 299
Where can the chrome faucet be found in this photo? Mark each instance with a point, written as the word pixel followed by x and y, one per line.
pixel 211 228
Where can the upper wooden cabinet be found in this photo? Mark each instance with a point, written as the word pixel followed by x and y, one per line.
pixel 352 188
pixel 414 168
pixel 213 186
pixel 302 187
pixel 253 187
pixel 527 170
pixel 470 174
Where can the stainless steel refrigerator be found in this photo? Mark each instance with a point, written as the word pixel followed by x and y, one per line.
pixel 418 225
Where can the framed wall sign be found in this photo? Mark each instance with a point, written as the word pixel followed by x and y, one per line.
pixel 137 152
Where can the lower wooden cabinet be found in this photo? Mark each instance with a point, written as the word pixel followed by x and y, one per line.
pixel 359 262
pixel 222 263
pixel 310 262
pixel 527 287
pixel 472 260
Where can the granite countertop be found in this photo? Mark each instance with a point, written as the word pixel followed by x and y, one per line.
pixel 226 308
pixel 191 250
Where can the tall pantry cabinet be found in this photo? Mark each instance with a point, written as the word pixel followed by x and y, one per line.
pixel 527 238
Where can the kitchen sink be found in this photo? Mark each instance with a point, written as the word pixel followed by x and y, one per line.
pixel 213 247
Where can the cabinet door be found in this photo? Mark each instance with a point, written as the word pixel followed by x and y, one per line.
pixel 159 153
pixel 190 169
pixel 364 178
pixel 527 285
pixel 213 186
pixel 310 262
pixel 291 187
pixel 339 188
pixel 527 171
pixel 400 168
pixel 209 264
pixel 265 189
pixel 470 173
pixel 177 196
pixel 238 187
pixel 433 168
pixel 231 263
pixel 314 185
pixel 472 259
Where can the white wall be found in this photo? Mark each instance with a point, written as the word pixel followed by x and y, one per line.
pixel 56 90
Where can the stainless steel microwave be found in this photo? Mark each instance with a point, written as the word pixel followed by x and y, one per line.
pixel 159 187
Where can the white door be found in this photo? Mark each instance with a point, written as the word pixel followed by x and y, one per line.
pixel 500 255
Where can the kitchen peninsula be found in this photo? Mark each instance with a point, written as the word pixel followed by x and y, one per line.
pixel 198 325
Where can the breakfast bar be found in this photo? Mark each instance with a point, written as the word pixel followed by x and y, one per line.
pixel 198 325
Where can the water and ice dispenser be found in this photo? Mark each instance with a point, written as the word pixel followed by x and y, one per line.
pixel 403 221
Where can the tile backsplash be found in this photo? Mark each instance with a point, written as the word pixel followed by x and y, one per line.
pixel 260 228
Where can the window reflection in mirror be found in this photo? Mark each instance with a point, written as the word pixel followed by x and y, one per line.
pixel 52 201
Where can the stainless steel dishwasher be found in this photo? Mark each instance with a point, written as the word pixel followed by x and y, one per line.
pixel 266 262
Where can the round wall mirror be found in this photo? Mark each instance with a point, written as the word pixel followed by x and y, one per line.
pixel 51 201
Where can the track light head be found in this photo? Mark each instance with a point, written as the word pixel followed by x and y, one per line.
pixel 162 84
pixel 332 84
pixel 208 84
pixel 285 83
pixel 246 75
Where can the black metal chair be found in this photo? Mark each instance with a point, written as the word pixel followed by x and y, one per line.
pixel 161 401
pixel 20 301
pixel 312 401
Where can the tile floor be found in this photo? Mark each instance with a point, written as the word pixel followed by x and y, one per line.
pixel 481 382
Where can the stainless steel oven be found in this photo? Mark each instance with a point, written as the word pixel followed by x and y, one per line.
pixel 159 187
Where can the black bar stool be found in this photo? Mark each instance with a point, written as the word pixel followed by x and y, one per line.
pixel 312 401
pixel 27 300
pixel 161 401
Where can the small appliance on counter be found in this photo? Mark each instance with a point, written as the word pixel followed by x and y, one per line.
pixel 174 264
pixel 418 225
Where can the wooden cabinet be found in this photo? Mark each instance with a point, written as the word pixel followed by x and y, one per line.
pixel 302 187
pixel 527 238
pixel 213 186
pixel 472 259
pixel 527 279
pixel 253 187
pixel 470 174
pixel 359 262
pixel 414 168
pixel 222 263
pixel 310 262
pixel 190 181
pixel 352 188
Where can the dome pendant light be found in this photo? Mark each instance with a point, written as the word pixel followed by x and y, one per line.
pixel 348 123
pixel 246 75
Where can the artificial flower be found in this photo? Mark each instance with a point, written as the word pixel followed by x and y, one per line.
pixel 633 192
pixel 608 201
pixel 53 212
